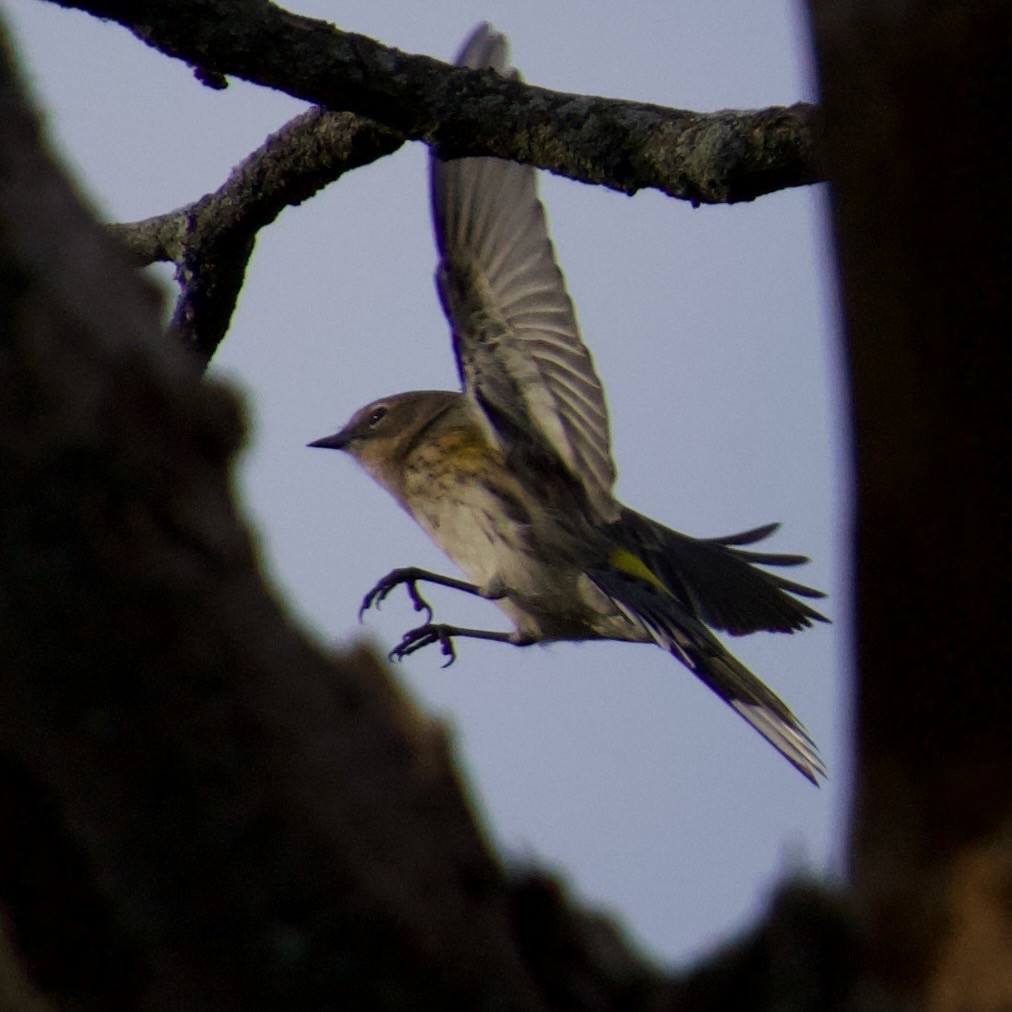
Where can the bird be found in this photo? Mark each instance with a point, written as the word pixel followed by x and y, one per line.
pixel 512 476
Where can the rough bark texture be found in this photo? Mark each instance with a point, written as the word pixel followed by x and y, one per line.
pixel 919 149
pixel 211 240
pixel 713 157
pixel 703 157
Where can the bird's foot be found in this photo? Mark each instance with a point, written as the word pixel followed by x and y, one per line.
pixel 409 577
pixel 423 636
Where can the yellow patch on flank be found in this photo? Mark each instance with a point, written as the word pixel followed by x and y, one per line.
pixel 624 561
pixel 466 447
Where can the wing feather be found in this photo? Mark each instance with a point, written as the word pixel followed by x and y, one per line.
pixel 515 334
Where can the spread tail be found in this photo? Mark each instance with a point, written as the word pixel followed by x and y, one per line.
pixel 718 581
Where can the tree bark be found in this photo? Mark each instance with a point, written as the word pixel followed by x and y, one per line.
pixel 919 148
pixel 201 810
pixel 717 157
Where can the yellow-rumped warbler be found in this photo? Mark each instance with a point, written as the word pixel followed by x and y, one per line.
pixel 513 477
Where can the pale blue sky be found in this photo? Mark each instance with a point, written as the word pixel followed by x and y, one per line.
pixel 714 332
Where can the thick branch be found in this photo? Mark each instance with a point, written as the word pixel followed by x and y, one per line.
pixel 719 157
pixel 211 240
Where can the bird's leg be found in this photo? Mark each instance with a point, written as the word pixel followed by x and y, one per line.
pixel 410 576
pixel 425 635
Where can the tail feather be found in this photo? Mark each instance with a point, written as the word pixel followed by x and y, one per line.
pixel 661 616
pixel 717 581
pixel 792 741
pixel 749 537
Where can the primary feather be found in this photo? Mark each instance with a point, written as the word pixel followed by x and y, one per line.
pixel 515 335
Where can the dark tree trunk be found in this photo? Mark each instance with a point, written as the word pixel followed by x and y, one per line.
pixel 919 147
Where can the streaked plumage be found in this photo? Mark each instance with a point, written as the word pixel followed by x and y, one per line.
pixel 513 477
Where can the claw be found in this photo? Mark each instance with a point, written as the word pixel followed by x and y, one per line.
pixel 446 646
pixel 378 594
pixel 423 636
pixel 419 602
pixel 372 598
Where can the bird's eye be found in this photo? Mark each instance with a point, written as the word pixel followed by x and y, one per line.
pixel 376 415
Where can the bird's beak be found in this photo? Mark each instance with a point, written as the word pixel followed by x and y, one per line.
pixel 338 441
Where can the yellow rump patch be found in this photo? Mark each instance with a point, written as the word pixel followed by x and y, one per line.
pixel 626 562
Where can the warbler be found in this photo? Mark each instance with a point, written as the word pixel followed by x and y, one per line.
pixel 512 478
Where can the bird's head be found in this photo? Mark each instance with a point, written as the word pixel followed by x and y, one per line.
pixel 379 434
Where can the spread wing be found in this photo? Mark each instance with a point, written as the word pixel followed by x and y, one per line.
pixel 518 349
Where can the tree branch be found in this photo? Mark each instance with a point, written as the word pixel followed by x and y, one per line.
pixel 722 156
pixel 719 157
pixel 211 240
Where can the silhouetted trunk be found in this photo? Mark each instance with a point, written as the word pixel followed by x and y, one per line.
pixel 919 147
